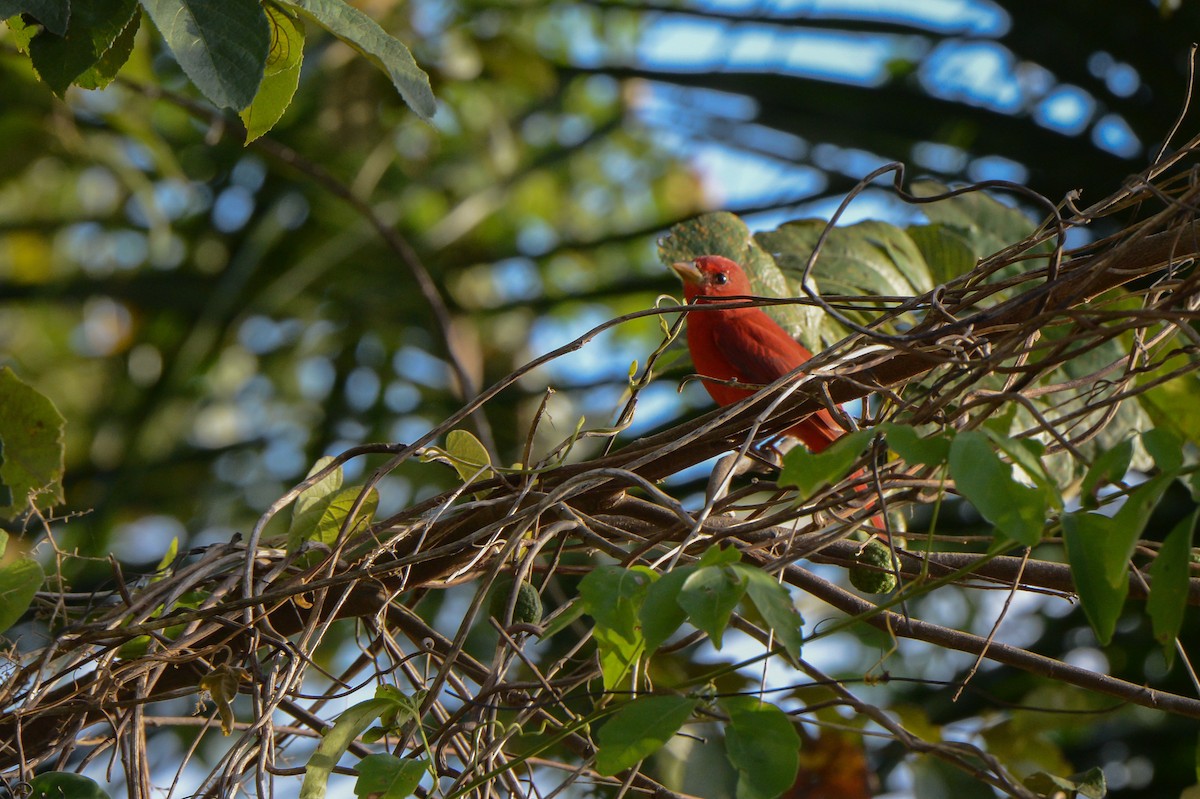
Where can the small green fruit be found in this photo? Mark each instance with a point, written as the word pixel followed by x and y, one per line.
pixel 528 609
pixel 867 578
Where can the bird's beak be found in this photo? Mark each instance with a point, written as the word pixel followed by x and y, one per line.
pixel 688 272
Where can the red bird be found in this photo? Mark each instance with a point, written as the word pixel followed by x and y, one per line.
pixel 743 344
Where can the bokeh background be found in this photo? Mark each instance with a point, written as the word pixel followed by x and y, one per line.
pixel 210 319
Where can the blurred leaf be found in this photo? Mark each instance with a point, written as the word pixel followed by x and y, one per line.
pixel 1089 785
pixel 762 744
pixel 1169 583
pixel 64 785
pixel 93 28
pixel 775 605
pixel 221 46
pixel 386 776
pixel 32 431
pixel 364 34
pixel 709 595
pixel 1017 510
pixel 53 14
pixel 1109 466
pixel 810 471
pixel 281 75
pixel 20 579
pixel 1172 403
pixel 1089 538
pixel 638 729
pixel 1165 447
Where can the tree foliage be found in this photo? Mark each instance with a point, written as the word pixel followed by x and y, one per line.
pixel 263 247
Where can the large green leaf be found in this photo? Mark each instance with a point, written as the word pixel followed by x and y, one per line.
pixel 385 51
pixel 32 431
pixel 53 14
pixel 1088 536
pixel 1017 510
pixel 222 45
pixel 386 776
pixel 709 595
pixel 762 744
pixel 350 724
pixel 639 729
pixel 869 257
pixel 986 224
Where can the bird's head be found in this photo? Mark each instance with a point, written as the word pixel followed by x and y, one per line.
pixel 712 276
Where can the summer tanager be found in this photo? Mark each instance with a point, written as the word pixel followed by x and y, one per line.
pixel 742 344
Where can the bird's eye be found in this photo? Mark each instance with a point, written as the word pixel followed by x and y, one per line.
pixel 720 278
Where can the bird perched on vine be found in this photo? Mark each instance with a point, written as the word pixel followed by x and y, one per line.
pixel 742 344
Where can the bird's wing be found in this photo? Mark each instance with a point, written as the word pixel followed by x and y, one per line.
pixel 759 350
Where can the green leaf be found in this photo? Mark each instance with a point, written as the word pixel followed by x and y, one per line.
pixel 1017 510
pixel 613 595
pixel 762 744
pixel 65 785
pixel 383 50
pixel 946 251
pixel 1027 454
pixel 1089 785
pixel 810 471
pixel 986 225
pixel 709 595
pixel 906 442
pixel 1128 524
pixel 222 45
pixel 54 15
pixel 722 233
pixel 1165 447
pixel 661 613
pixel 1169 583
pixel 280 77
pixel 105 69
pixel 94 27
pixel 716 555
pixel 775 605
pixel 639 729
pixel 6 497
pixel 389 777
pixel 1171 404
pixel 1087 536
pixel 32 430
pixel 329 515
pixel 869 257
pixel 336 741
pixel 468 455
pixel 19 581
pixel 1109 466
